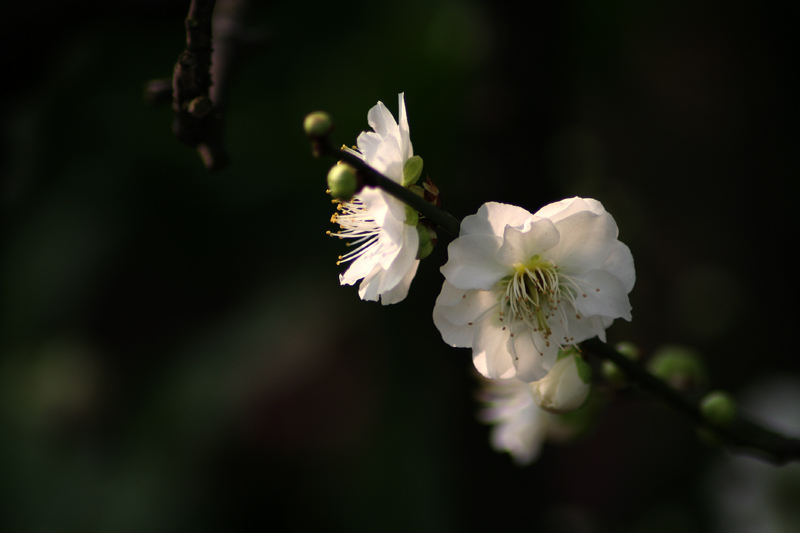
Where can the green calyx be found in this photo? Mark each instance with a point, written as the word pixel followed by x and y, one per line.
pixel 427 240
pixel 412 217
pixel 412 170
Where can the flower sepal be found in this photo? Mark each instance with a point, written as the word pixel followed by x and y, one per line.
pixel 427 239
pixel 412 170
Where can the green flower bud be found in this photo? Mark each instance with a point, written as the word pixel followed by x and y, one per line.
pixel 629 350
pixel 566 386
pixel 342 181
pixel 412 170
pixel 719 408
pixel 317 124
pixel 680 366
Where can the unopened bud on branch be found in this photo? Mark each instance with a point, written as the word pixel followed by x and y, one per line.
pixel 342 181
pixel 566 386
pixel 680 366
pixel 318 124
pixel 719 408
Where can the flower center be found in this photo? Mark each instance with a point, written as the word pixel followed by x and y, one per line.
pixel 354 223
pixel 534 294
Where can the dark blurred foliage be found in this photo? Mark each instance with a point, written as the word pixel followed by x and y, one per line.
pixel 177 355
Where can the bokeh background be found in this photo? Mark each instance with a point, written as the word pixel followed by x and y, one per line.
pixel 176 353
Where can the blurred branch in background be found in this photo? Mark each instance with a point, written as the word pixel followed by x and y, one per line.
pixel 742 434
pixel 202 75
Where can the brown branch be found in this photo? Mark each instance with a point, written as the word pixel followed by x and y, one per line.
pixel 196 122
pixel 202 75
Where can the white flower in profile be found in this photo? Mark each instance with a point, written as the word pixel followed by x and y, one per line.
pixel 519 286
pixel 385 240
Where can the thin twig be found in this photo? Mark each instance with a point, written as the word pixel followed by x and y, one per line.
pixel 743 434
pixel 373 178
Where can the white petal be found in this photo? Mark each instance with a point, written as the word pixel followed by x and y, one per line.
pixel 368 290
pixel 533 357
pixel 400 290
pixel 587 239
pixel 492 218
pixel 520 427
pixel 450 295
pixel 610 301
pixel 361 266
pixel 388 212
pixel 400 264
pixel 456 336
pixel 561 210
pixel 522 436
pixel 382 121
pixel 600 324
pixel 490 352
pixel 471 305
pixel 520 245
pixel 472 262
pixel 579 329
pixel 387 159
pixel 406 149
pixel 620 264
pixel 368 144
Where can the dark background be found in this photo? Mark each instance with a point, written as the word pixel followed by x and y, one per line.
pixel 176 353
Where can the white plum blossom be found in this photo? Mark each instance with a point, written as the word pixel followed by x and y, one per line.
pixel 385 254
pixel 520 286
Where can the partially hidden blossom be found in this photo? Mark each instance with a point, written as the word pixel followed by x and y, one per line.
pixel 382 229
pixel 566 386
pixel 519 426
pixel 520 286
